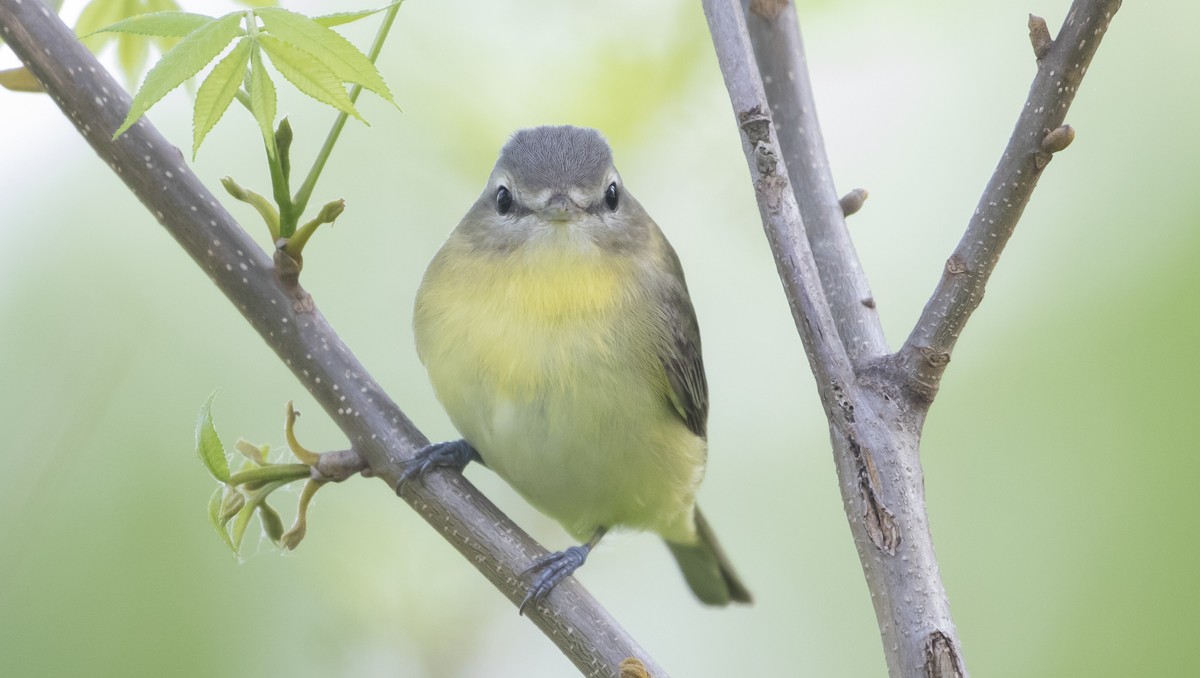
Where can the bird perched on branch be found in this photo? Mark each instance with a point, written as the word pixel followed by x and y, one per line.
pixel 559 335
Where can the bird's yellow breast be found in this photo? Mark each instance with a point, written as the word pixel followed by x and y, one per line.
pixel 525 321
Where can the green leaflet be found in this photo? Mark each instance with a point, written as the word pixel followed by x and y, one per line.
pixel 208 444
pixel 93 18
pixel 309 74
pixel 132 55
pixel 217 91
pixel 262 100
pixel 339 18
pixel 337 53
pixel 214 513
pixel 184 60
pixel 162 24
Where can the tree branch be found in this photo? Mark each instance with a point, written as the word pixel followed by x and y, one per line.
pixel 875 438
pixel 292 326
pixel 779 53
pixel 1039 133
pixel 781 218
pixel 881 478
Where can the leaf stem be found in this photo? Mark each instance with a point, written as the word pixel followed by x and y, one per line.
pixel 310 181
pixel 272 473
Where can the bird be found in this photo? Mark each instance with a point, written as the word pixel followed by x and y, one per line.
pixel 559 336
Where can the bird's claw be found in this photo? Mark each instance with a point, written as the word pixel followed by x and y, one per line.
pixel 551 569
pixel 452 454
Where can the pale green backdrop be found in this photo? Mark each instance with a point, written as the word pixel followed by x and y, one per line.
pixel 1061 456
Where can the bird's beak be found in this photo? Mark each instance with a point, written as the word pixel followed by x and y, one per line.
pixel 559 208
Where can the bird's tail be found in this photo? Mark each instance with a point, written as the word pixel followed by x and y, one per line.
pixel 706 568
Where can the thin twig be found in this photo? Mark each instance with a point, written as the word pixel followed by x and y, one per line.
pixel 291 325
pixel 1061 66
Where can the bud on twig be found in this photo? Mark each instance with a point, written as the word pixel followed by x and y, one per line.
pixel 853 201
pixel 1039 36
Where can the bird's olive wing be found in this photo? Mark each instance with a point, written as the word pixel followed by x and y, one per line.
pixel 680 353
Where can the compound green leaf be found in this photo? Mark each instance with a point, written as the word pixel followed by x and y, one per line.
pixel 184 60
pixel 217 91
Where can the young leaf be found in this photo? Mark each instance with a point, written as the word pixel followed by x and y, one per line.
pixel 255 453
pixel 208 445
pixel 132 53
pixel 231 503
pixel 182 62
pixel 217 91
pixel 214 513
pixel 93 18
pixel 162 24
pixel 240 523
pixel 20 80
pixel 253 502
pixel 262 99
pixel 271 522
pixel 340 18
pixel 309 74
pixel 343 58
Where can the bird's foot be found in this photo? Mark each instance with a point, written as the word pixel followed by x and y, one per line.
pixel 452 454
pixel 550 570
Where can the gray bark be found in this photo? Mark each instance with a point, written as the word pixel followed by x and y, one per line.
pixel 877 411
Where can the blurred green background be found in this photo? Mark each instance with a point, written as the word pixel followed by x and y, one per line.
pixel 1060 462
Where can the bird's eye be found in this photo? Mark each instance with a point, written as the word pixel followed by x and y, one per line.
pixel 611 195
pixel 503 200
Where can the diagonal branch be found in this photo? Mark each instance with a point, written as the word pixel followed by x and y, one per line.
pixel 1039 133
pixel 781 217
pixel 779 53
pixel 292 326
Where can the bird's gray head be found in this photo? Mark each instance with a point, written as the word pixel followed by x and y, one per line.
pixel 556 185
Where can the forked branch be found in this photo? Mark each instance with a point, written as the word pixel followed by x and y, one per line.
pixel 1038 135
pixel 878 458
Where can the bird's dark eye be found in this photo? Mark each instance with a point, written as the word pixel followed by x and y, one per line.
pixel 503 200
pixel 611 195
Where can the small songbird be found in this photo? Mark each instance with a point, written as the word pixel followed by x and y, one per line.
pixel 558 334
